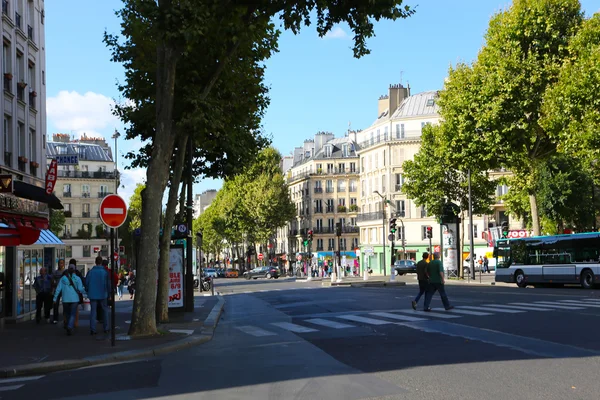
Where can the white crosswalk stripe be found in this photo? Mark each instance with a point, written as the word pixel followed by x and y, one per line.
pixel 288 326
pixel 328 323
pixel 255 331
pixel 364 320
pixel 510 307
pixel 20 380
pixel 562 305
pixel 492 309
pixel 580 303
pixel 429 314
pixel 398 317
pixel 465 312
pixel 549 306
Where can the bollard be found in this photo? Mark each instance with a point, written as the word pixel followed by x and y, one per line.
pixel 212 284
pixel 393 275
pixel 333 276
pixel 339 277
pixel 365 275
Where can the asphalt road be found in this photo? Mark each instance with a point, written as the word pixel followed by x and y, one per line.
pixel 282 339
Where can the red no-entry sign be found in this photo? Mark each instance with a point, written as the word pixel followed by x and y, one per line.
pixel 113 211
pixel 260 256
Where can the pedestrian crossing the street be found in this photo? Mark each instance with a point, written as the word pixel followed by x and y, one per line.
pixel 360 319
pixel 10 384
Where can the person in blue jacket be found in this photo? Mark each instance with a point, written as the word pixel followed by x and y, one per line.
pixel 69 287
pixel 98 289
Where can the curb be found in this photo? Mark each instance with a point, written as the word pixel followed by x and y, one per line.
pixel 210 323
pixel 363 284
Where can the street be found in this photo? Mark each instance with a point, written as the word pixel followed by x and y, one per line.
pixel 287 339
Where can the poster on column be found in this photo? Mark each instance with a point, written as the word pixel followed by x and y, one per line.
pixel 449 245
pixel 176 277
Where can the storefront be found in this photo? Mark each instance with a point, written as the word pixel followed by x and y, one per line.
pixel 26 245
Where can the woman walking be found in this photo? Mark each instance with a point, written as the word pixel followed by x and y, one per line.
pixel 120 285
pixel 72 291
pixel 131 285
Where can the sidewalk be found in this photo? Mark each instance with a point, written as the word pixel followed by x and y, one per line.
pixel 28 348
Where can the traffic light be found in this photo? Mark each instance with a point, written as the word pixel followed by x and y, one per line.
pixel 338 229
pixel 429 234
pixel 392 225
pixel 504 229
pixel 305 242
pixel 310 235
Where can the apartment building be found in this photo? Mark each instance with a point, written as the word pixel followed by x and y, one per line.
pixel 323 183
pixel 202 201
pixel 86 174
pixel 393 138
pixel 26 243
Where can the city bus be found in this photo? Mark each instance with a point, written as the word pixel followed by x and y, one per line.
pixel 559 259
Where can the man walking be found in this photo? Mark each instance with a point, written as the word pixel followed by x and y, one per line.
pixel 98 289
pixel 436 283
pixel 43 290
pixel 423 279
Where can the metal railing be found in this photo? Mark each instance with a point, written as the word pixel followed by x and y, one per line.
pixel 369 216
pixel 102 195
pixel 66 194
pixel 86 174
pixel 319 190
pixel 85 214
pixel 412 134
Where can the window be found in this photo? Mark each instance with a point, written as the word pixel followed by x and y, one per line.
pixel 401 131
pixel 353 201
pixel 6 59
pixel 86 251
pixel 67 207
pixel 341 168
pixel 341 185
pixel 430 102
pixel 103 190
pixel 400 208
pixel 364 185
pixel 378 136
pixel 69 251
pixel 354 243
pixel 400 232
pixel 330 224
pixel 21 139
pixel 319 224
pixel 43 77
pixel 31 76
pixel 385 133
pixel 345 150
pixel 353 185
pixel 85 213
pixel 319 244
pixel 330 169
pixel 474 231
pixel 85 190
pixel 399 182
pixel 329 186
pixel 383 183
pixel 67 188
pixel 342 202
pixel 376 160
pixel 7 140
pixel 352 167
pixel 423 212
pixel 328 150
pixel 423 232
pixel 331 244
pixel 32 145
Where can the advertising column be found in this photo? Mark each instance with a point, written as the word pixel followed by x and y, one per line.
pixel 451 254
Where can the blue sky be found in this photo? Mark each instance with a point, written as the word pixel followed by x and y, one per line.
pixel 316 84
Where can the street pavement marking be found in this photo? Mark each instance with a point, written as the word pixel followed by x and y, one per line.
pixel 21 379
pixel 293 327
pixel 466 312
pixel 254 331
pixel 561 305
pixel 429 314
pixel 593 300
pixel 580 303
pixel 396 316
pixel 364 320
pixel 7 388
pixel 547 306
pixel 328 323
pixel 494 309
pixel 311 303
pixel 517 307
pixel 184 331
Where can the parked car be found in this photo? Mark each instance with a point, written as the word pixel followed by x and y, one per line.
pixel 232 273
pixel 402 267
pixel 221 272
pixel 262 272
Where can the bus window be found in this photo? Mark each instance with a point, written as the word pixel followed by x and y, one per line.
pixel 502 256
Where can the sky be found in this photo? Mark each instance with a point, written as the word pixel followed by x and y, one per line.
pixel 315 83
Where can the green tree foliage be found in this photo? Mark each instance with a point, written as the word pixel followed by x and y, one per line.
pixel 164 32
pixel 431 178
pixel 57 222
pixel 492 108
pixel 134 212
pixel 571 109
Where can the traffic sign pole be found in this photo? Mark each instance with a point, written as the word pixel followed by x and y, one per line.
pixel 112 285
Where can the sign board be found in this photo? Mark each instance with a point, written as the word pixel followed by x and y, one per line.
pixel 6 183
pixel 51 177
pixel 368 251
pixel 260 256
pixel 176 277
pixel 67 159
pixel 96 249
pixel 182 228
pixel 113 211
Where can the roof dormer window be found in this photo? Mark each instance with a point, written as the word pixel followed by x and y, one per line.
pixel 328 149
pixel 430 102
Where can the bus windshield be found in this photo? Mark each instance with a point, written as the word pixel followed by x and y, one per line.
pixel 503 259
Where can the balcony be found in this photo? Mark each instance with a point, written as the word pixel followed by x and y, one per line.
pixel 30 32
pixel 18 20
pixel 87 174
pixel 66 194
pixel 372 216
pixel 414 134
pixel 8 82
pixel 341 209
pixel 318 210
pixel 329 209
pixel 32 103
pixel 319 190
pixel 85 195
pixel 85 214
pixel 102 195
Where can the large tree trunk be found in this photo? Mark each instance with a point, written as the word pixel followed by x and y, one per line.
pixel 535 216
pixel 143 321
pixel 162 299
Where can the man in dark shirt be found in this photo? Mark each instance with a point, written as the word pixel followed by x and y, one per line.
pixel 423 279
pixel 436 283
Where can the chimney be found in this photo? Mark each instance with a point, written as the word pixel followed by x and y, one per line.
pixel 397 95
pixel 382 105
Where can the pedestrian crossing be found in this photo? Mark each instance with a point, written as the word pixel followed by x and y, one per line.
pixel 267 290
pixel 10 384
pixel 359 319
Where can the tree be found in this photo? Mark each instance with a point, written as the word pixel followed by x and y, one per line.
pixel 57 222
pixel 571 109
pixel 216 30
pixel 135 208
pixel 492 109
pixel 431 178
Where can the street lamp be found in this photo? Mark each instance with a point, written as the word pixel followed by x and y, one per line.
pixel 383 226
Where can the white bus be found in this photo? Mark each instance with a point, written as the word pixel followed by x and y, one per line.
pixel 549 259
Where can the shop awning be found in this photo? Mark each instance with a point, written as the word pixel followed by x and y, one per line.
pixel 27 227
pixel 332 253
pixel 9 236
pixel 36 193
pixel 47 237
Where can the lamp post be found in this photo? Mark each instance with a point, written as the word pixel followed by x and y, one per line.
pixel 472 261
pixel 383 226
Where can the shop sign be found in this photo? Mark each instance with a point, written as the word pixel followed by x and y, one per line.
pixel 51 177
pixel 67 159
pixel 22 206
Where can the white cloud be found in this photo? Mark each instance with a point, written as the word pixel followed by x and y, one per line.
pixel 71 111
pixel 336 33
